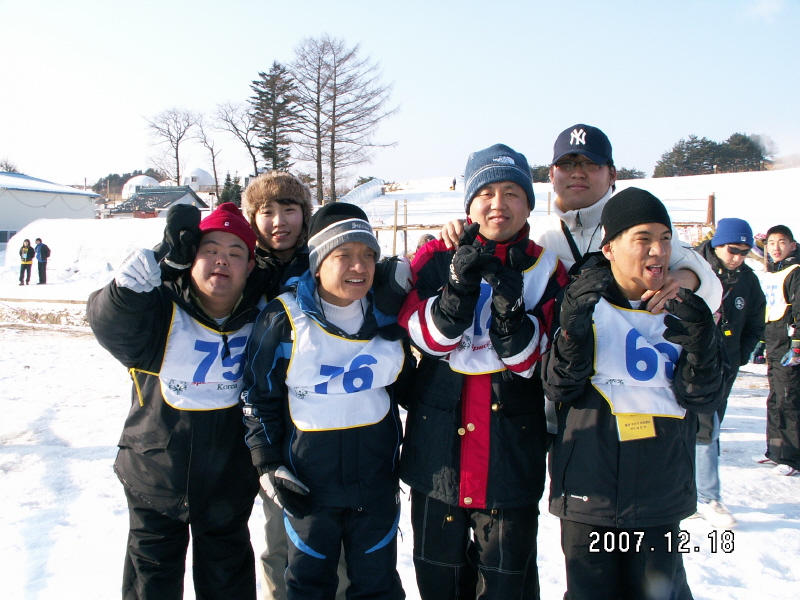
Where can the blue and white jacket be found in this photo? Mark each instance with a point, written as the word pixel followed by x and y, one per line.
pixel 324 403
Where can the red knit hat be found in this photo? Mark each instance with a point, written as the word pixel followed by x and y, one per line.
pixel 228 217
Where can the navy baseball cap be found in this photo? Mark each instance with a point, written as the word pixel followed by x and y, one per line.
pixel 589 141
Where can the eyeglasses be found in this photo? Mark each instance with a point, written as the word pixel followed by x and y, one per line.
pixel 568 166
pixel 737 251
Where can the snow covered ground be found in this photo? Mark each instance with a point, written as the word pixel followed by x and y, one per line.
pixel 63 519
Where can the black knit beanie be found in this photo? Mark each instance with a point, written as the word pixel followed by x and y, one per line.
pixel 632 206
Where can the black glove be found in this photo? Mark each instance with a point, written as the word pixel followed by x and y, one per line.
pixel 469 261
pixel 758 353
pixel 580 298
pixel 391 284
pixel 285 490
pixel 460 295
pixel 181 238
pixel 508 306
pixel 692 325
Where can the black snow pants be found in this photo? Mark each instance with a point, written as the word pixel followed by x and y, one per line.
pixel 368 536
pixel 783 414
pixel 223 566
pixel 464 553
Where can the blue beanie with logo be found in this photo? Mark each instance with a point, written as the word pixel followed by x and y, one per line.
pixel 732 231
pixel 493 165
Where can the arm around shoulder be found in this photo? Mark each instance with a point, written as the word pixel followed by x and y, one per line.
pixel 710 288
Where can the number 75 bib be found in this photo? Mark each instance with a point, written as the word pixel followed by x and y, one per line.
pixel 198 372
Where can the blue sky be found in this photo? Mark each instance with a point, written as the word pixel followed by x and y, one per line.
pixel 78 77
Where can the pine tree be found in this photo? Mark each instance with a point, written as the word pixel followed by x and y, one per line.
pixel 274 111
pixel 227 187
pixel 236 191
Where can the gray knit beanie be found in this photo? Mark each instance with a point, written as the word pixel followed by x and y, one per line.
pixel 335 224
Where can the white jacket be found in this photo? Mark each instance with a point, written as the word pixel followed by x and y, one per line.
pixel 584 225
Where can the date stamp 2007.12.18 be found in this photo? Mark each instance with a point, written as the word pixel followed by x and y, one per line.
pixel 681 543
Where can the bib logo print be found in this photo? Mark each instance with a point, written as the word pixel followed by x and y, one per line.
pixel 176 386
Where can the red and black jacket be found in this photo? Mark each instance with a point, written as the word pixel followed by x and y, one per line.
pixel 478 440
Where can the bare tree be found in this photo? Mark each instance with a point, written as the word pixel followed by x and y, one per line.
pixel 341 103
pixel 311 72
pixel 357 104
pixel 237 119
pixel 209 144
pixel 173 127
pixel 7 166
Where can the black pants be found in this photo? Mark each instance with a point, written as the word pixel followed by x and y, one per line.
pixel 783 414
pixel 474 553
pixel 369 538
pixel 42 272
pixel 605 563
pixel 223 566
pixel 25 269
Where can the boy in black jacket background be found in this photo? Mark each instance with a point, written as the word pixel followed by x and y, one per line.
pixel 782 288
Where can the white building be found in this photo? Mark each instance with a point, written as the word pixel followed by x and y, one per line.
pixel 199 180
pixel 134 183
pixel 25 199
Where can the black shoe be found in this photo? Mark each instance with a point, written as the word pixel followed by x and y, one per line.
pixel 21 283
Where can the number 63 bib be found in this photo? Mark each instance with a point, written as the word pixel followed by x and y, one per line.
pixel 634 364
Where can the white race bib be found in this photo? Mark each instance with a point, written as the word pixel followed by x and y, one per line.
pixel 773 290
pixel 195 375
pixel 475 354
pixel 634 364
pixel 336 382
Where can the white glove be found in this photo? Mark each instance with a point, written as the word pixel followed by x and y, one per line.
pixel 286 490
pixel 139 272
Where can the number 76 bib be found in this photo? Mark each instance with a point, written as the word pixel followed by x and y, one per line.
pixel 335 382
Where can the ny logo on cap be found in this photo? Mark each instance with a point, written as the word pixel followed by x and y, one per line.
pixel 506 160
pixel 578 136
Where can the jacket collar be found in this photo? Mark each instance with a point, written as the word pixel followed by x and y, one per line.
pixel 588 217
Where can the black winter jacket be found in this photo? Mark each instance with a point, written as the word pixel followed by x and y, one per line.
pixel 27 254
pixel 776 338
pixel 742 310
pixel 598 480
pixel 187 464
